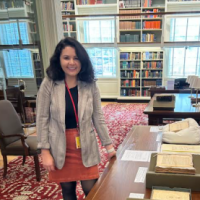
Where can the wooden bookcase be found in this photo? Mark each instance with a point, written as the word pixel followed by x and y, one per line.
pixel 139 71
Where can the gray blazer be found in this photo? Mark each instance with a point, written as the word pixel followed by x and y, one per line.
pixel 51 121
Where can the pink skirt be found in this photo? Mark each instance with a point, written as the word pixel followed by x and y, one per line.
pixel 73 169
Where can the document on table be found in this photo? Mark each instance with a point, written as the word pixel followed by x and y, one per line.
pixel 156 129
pixel 136 195
pixel 142 156
pixel 141 175
pixel 170 195
pixel 159 137
pixel 172 148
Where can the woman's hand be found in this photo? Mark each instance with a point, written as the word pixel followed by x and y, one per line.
pixel 111 151
pixel 48 161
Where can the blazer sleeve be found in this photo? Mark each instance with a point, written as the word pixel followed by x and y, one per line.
pixel 43 113
pixel 98 118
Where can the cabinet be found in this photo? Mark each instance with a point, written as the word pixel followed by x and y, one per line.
pixel 139 71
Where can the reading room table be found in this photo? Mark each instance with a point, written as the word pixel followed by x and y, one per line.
pixel 118 178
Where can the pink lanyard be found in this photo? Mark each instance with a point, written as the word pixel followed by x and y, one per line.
pixel 76 116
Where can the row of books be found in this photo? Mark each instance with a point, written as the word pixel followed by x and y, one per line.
pixel 130 92
pixel 148 37
pixel 127 25
pixel 67 5
pixel 155 10
pixel 130 56
pixel 183 0
pixel 130 38
pixel 129 4
pixel 152 55
pixel 153 65
pixel 36 56
pixel 86 2
pixel 65 13
pixel 151 24
pixel 127 65
pixel 129 12
pixel 67 27
pixel 145 92
pixel 147 3
pixel 11 4
pixel 130 83
pixel 152 83
pixel 130 74
pixel 151 74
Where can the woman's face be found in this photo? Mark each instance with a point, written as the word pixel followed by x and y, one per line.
pixel 69 62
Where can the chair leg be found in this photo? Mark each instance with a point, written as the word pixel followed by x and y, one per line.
pixel 37 168
pixel 5 165
pixel 24 160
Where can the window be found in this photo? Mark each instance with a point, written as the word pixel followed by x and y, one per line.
pixel 18 63
pixel 104 61
pixel 97 31
pixel 184 61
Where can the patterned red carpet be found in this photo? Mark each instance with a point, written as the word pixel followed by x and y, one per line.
pixel 21 183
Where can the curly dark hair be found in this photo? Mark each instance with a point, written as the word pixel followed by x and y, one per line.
pixel 55 72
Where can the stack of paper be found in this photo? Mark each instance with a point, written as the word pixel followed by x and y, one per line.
pixel 175 163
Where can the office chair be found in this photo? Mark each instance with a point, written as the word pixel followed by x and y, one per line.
pixel 13 140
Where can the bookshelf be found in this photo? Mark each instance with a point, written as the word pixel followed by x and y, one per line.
pixel 69 24
pixel 12 8
pixel 139 71
pixel 138 29
pixel 38 70
pixel 95 2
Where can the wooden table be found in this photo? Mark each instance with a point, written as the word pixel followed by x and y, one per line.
pixel 163 90
pixel 117 180
pixel 183 109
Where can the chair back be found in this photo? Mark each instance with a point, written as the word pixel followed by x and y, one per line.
pixel 9 123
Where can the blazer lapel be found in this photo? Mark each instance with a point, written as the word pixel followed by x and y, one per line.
pixel 60 95
pixel 82 99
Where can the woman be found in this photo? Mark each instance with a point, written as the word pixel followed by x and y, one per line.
pixel 68 105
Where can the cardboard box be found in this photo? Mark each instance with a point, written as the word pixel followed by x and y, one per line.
pixel 173 180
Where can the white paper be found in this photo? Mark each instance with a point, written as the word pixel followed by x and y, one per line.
pixel 159 147
pixel 170 85
pixel 136 195
pixel 142 156
pixel 159 137
pixel 141 175
pixel 156 129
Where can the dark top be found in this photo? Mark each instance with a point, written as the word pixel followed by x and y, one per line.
pixel 70 119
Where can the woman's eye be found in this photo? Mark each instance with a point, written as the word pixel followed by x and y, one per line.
pixel 76 58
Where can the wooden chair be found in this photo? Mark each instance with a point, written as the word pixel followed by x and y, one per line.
pixel 16 97
pixel 13 140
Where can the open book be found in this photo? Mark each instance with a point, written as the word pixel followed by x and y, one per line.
pixel 175 163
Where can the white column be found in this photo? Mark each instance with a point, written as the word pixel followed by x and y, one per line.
pixel 50 27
